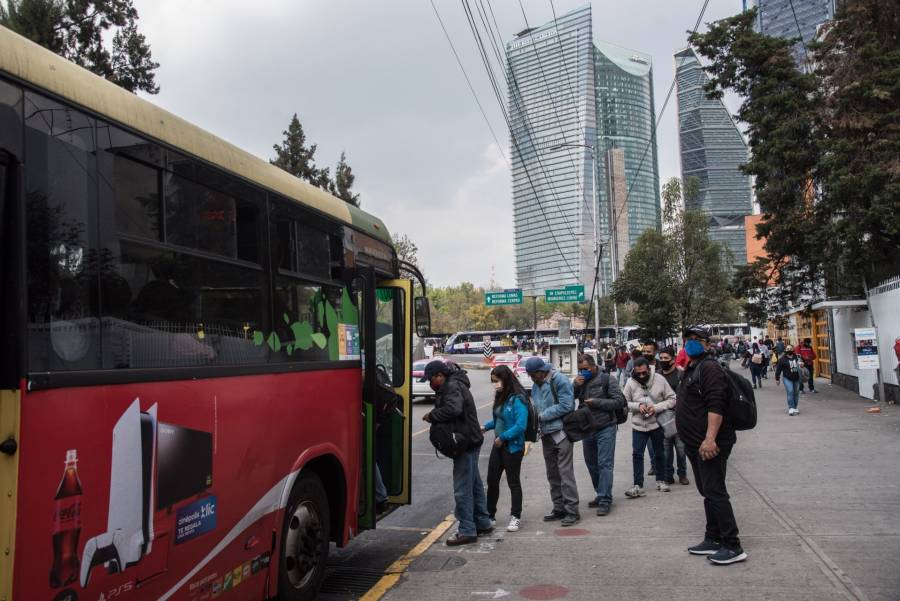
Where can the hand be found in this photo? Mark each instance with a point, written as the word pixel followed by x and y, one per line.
pixel 483 430
pixel 708 449
pixel 588 402
pixel 427 417
pixel 579 380
pixel 498 443
pixel 643 409
pixel 651 410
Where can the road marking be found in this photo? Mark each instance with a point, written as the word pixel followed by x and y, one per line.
pixel 395 570
pixel 424 430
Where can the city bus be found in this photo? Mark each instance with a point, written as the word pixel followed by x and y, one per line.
pixel 194 344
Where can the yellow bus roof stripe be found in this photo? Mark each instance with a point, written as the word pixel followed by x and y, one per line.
pixel 38 66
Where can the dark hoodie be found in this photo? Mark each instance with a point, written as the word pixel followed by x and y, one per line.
pixel 454 402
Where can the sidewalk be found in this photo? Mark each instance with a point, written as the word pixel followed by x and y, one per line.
pixel 816 496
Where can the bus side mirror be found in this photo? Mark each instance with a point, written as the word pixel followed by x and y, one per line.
pixel 423 316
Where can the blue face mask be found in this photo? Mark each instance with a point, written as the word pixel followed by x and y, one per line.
pixel 693 348
pixel 586 374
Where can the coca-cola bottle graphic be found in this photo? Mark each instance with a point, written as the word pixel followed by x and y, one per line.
pixel 66 525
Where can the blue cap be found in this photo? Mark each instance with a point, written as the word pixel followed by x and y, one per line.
pixel 434 368
pixel 533 364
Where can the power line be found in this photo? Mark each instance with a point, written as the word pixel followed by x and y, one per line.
pixel 469 82
pixel 800 33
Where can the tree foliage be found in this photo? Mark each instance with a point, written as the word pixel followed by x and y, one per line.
pixel 76 29
pixel 299 159
pixel 824 148
pixel 679 276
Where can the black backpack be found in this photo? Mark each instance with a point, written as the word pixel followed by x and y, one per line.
pixel 446 440
pixel 533 424
pixel 741 401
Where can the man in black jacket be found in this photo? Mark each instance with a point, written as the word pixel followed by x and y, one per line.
pixel 703 397
pixel 454 403
pixel 601 393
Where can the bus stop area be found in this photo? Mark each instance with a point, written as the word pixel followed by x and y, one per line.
pixel 816 496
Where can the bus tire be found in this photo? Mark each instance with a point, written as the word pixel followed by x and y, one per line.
pixel 304 540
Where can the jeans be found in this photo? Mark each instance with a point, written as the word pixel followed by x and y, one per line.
pixel 674 447
pixel 468 491
pixel 709 476
pixel 381 494
pixel 502 460
pixel 639 442
pixel 756 374
pixel 792 389
pixel 600 456
pixel 560 474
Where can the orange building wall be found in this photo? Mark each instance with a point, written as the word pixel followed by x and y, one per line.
pixel 755 248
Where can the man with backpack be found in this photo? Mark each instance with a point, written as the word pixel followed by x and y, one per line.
pixel 454 406
pixel 553 399
pixel 600 392
pixel 700 414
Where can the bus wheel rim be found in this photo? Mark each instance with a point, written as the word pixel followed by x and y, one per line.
pixel 302 544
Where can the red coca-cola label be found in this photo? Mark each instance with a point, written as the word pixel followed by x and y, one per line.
pixel 67 514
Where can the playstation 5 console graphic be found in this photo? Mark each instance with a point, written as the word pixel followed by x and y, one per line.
pixel 129 532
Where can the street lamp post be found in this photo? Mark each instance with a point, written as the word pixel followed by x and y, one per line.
pixel 596 209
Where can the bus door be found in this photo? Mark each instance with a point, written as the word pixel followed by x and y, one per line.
pixel 386 335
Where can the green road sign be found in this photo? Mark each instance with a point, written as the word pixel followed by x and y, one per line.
pixel 569 294
pixel 513 296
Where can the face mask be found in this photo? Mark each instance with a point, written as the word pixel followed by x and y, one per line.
pixel 498 386
pixel 665 365
pixel 642 378
pixel 693 348
pixel 586 374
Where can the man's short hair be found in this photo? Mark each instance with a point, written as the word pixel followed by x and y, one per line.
pixel 589 359
pixel 651 342
pixel 641 363
pixel 668 350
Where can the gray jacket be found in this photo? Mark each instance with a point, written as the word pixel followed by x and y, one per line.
pixel 605 396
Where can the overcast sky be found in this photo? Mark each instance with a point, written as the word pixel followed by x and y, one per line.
pixel 377 79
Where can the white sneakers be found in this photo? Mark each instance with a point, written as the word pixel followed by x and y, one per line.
pixel 793 411
pixel 662 487
pixel 635 491
pixel 514 524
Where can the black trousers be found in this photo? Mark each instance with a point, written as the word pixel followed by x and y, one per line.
pixel 502 460
pixel 709 476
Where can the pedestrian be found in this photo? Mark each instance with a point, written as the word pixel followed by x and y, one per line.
pixel 648 352
pixel 622 361
pixel 629 366
pixel 647 394
pixel 673 445
pixel 601 393
pixel 553 398
pixel 779 347
pixel 789 366
pixel 766 352
pixel 609 359
pixel 757 361
pixel 808 356
pixel 454 403
pixel 708 441
pixel 509 422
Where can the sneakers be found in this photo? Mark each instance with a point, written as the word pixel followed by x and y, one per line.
pixel 725 556
pixel 603 509
pixel 662 486
pixel 707 547
pixel 460 539
pixel 570 520
pixel 670 481
pixel 635 491
pixel 793 411
pixel 554 516
pixel 814 391
pixel 485 531
pixel 652 471
pixel 594 503
pixel 514 524
pixel 683 480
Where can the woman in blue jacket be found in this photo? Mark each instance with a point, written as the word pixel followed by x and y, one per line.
pixel 510 420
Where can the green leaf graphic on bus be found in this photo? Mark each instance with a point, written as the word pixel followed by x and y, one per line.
pixel 322 333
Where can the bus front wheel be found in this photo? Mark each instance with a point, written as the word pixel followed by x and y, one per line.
pixel 304 540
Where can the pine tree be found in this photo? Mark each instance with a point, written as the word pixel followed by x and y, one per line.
pixel 343 182
pixel 75 30
pixel 298 159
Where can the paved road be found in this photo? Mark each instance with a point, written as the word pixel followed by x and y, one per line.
pixel 355 568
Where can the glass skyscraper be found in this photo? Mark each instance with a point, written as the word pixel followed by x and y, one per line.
pixel 792 19
pixel 712 150
pixel 571 103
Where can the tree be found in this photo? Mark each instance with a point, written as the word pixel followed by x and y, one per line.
pixel 680 276
pixel 298 159
pixel 76 29
pixel 343 182
pixel 824 149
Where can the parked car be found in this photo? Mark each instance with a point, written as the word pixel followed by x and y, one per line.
pixel 422 390
pixel 511 360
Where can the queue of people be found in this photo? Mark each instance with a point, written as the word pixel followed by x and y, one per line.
pixel 668 406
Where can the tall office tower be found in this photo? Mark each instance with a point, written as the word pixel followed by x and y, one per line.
pixel 792 19
pixel 550 81
pixel 712 150
pixel 625 123
pixel 559 82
